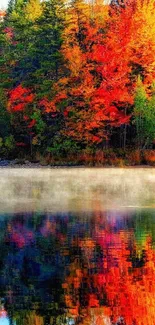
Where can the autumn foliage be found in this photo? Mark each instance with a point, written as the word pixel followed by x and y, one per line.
pixel 80 64
pixel 19 98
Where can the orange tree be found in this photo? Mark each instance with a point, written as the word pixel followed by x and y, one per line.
pixel 96 86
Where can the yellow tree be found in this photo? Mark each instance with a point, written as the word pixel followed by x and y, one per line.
pixel 33 10
pixel 143 39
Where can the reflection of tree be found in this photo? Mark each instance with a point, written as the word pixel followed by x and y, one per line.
pixel 144 224
pixel 32 267
pixel 122 288
pixel 92 269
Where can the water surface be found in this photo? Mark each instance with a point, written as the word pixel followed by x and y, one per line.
pixel 77 247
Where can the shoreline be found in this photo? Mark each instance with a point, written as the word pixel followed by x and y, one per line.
pixel 6 164
pixel 99 159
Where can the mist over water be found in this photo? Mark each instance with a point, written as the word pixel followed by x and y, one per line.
pixel 76 189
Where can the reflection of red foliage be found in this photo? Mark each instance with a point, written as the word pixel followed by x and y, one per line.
pixel 129 291
pixel 129 294
pixel 20 236
pixel 48 228
pixel 3 313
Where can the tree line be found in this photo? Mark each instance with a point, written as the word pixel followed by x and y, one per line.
pixel 76 76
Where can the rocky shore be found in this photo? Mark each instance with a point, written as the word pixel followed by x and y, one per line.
pixel 18 163
pixel 21 163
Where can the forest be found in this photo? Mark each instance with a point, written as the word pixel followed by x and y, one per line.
pixel 77 82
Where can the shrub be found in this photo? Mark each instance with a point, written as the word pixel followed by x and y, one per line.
pixel 149 157
pixel 10 142
pixel 134 157
pixel 100 158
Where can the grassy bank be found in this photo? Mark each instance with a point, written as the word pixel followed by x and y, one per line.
pixel 107 157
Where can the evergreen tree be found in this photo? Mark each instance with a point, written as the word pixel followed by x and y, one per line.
pixel 140 106
pixel 144 116
pixel 44 54
pixel 10 7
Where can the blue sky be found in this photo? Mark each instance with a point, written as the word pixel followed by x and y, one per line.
pixel 3 3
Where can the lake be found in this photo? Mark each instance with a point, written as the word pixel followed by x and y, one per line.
pixel 77 246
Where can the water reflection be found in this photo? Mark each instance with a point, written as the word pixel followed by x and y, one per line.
pixel 68 269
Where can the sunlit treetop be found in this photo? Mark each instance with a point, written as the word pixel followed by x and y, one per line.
pixel 33 10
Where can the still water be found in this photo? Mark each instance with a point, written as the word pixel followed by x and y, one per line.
pixel 85 255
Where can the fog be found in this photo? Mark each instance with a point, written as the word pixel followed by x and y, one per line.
pixel 76 189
